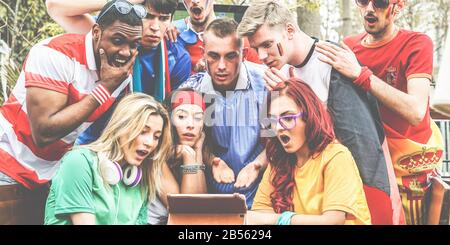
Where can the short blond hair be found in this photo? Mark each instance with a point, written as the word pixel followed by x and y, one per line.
pixel 261 12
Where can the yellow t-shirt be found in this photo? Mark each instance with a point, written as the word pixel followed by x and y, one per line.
pixel 330 181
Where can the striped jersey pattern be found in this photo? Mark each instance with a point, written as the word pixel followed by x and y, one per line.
pixel 65 64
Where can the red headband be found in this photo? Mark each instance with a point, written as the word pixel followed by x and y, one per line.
pixel 187 97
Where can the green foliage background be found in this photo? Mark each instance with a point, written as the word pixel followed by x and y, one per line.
pixel 22 24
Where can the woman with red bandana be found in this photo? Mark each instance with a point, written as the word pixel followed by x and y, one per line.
pixel 185 169
pixel 311 178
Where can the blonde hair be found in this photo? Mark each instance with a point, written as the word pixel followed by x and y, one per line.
pixel 261 12
pixel 129 119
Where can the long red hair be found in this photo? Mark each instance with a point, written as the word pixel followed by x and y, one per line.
pixel 318 132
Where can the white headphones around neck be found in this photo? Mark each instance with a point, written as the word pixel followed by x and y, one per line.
pixel 112 173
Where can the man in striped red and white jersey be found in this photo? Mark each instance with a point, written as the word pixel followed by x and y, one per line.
pixel 152 62
pixel 66 83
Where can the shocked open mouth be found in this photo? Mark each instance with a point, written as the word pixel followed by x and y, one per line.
pixel 196 10
pixel 285 139
pixel 142 153
pixel 371 19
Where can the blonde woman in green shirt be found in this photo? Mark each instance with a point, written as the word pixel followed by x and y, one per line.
pixel 111 180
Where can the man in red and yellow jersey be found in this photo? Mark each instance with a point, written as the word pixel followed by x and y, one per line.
pixel 395 65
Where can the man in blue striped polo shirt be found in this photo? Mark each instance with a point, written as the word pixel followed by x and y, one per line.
pixel 237 91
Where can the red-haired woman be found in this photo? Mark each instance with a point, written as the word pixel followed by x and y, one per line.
pixel 311 179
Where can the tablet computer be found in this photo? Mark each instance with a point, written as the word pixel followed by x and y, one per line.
pixel 206 209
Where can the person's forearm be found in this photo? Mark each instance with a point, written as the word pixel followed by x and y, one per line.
pixel 80 24
pixel 209 161
pixel 301 219
pixel 169 184
pixel 73 16
pixel 270 218
pixel 82 219
pixel 261 217
pixel 407 106
pixel 194 183
pixel 262 160
pixel 63 122
pixel 79 7
pixel 73 8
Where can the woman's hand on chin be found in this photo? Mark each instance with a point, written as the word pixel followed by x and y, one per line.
pixel 187 153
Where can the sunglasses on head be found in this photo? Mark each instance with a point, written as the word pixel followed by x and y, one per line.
pixel 379 4
pixel 124 7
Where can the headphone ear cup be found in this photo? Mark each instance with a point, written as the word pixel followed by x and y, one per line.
pixel 111 172
pixel 132 176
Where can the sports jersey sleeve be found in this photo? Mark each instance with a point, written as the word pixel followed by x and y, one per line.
pixel 73 184
pixel 182 69
pixel 262 199
pixel 420 60
pixel 48 69
pixel 194 81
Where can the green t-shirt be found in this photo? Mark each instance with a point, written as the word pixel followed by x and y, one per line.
pixel 79 188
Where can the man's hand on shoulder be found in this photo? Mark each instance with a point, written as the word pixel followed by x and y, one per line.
pixel 340 58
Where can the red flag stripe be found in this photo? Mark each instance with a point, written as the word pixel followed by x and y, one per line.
pixel 98 96
pixel 32 79
pixel 104 90
pixel 71 45
pixel 13 113
pixel 11 167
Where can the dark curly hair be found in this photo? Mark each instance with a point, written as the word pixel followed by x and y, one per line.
pixel 110 15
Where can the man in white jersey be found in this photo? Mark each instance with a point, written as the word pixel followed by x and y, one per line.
pixel 67 82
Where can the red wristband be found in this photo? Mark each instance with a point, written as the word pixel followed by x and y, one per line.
pixel 363 81
pixel 101 94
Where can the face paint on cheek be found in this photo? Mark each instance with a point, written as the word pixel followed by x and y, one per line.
pixel 280 49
